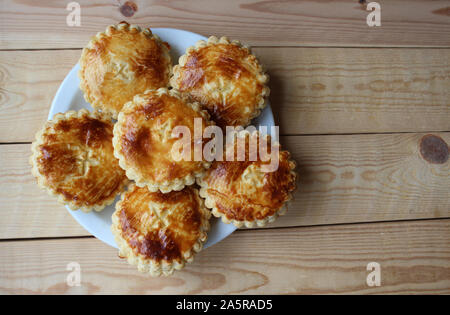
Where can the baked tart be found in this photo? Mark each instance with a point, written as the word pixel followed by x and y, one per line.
pixel 73 158
pixel 246 191
pixel 121 62
pixel 144 141
pixel 224 77
pixel 159 232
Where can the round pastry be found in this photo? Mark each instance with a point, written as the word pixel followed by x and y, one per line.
pixel 160 232
pixel 248 192
pixel 225 78
pixel 73 158
pixel 120 63
pixel 144 140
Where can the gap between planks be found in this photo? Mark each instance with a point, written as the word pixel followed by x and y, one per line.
pixel 240 229
pixel 311 135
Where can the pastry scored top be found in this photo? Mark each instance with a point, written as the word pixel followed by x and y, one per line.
pixel 120 63
pixel 244 192
pixel 225 78
pixel 160 232
pixel 73 158
pixel 145 144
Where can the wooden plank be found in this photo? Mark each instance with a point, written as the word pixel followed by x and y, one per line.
pixel 365 178
pixel 28 82
pixel 314 90
pixel 336 90
pixel 31 24
pixel 27 211
pixel 413 257
pixel 343 179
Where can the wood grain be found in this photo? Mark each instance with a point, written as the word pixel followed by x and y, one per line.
pixel 413 256
pixel 27 211
pixel 28 83
pixel 333 79
pixel 314 90
pixel 35 24
pixel 343 179
pixel 344 90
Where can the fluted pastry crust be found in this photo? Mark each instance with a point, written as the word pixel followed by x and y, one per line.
pixel 143 140
pixel 159 232
pixel 121 62
pixel 224 77
pixel 239 192
pixel 73 159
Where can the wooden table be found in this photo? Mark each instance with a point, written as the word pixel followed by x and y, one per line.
pixel 353 103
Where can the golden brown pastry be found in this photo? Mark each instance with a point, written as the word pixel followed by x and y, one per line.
pixel 143 140
pixel 73 159
pixel 225 78
pixel 120 63
pixel 240 192
pixel 159 232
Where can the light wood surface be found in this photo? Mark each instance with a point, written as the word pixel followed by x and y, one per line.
pixel 354 104
pixel 413 258
pixel 343 179
pixel 314 90
pixel 37 24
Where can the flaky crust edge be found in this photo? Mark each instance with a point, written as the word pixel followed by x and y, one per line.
pixel 210 203
pixel 262 76
pixel 164 267
pixel 123 26
pixel 133 174
pixel 41 180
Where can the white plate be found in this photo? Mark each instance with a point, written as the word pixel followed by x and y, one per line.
pixel 70 97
